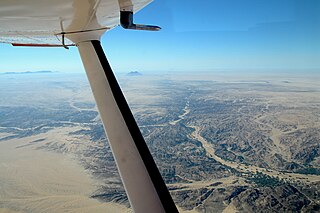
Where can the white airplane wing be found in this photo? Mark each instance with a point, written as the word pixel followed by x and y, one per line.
pixel 42 22
pixel 81 23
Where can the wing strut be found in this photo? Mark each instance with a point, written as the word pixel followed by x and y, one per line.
pixel 142 180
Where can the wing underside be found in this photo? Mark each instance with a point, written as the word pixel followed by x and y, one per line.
pixel 44 23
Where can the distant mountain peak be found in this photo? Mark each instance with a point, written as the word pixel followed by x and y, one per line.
pixel 134 73
pixel 28 72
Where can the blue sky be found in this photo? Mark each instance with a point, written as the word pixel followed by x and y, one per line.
pixel 198 36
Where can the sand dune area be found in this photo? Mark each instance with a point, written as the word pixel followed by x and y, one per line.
pixel 35 180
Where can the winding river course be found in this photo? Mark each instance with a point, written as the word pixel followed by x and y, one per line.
pixel 196 135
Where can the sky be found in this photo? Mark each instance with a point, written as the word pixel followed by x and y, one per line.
pixel 202 35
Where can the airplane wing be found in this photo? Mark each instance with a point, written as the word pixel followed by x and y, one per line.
pixel 81 23
pixel 44 22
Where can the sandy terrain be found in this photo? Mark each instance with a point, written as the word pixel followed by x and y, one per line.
pixel 34 180
pixel 40 181
pixel 230 209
